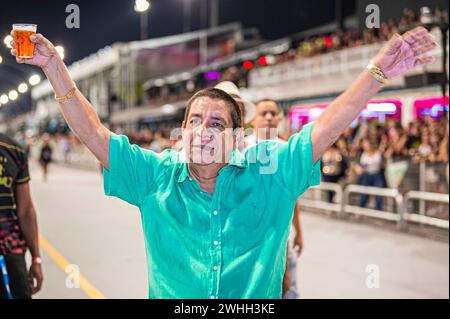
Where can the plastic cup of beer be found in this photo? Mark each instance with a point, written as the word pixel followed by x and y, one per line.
pixel 24 46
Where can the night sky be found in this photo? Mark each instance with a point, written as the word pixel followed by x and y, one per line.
pixel 104 22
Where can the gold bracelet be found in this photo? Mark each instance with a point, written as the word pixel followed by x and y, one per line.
pixel 377 73
pixel 66 97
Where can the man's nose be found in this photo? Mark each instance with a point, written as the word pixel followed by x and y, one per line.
pixel 202 132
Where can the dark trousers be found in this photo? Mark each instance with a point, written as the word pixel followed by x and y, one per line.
pixel 376 180
pixel 330 179
pixel 18 277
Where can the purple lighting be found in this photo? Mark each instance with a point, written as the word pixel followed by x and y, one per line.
pixel 212 76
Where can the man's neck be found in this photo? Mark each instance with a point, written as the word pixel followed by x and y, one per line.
pixel 206 175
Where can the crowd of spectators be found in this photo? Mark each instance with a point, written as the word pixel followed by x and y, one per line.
pixel 353 38
pixel 362 154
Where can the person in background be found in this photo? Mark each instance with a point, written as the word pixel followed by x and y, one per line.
pixel 334 167
pixel 443 148
pixel 267 118
pixel 413 140
pixel 18 225
pixel 157 144
pixel 45 157
pixel 370 169
pixel 66 147
pixel 396 142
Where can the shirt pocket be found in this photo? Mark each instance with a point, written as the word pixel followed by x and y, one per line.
pixel 253 215
pixel 250 228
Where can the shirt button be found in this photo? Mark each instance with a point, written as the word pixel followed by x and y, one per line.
pixel 216 243
pixel 215 268
pixel 215 213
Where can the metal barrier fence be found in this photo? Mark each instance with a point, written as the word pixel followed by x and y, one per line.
pixel 397 216
pixel 330 187
pixel 421 217
pixel 400 214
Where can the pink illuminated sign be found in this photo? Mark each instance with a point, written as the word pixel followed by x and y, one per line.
pixel 379 110
pixel 430 106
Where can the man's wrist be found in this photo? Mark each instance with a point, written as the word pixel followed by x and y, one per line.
pixel 377 73
pixel 36 260
pixel 375 86
pixel 52 64
pixel 58 75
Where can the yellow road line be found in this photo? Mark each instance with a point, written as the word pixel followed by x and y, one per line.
pixel 87 287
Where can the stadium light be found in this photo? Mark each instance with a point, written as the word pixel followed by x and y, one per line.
pixel 1 59
pixel 7 41
pixel 23 87
pixel 4 99
pixel 35 79
pixel 60 50
pixel 13 95
pixel 141 5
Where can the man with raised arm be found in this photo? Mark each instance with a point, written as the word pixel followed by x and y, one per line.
pixel 229 236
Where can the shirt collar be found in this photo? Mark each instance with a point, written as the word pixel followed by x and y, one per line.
pixel 237 160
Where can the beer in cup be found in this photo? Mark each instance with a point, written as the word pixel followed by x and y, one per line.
pixel 24 46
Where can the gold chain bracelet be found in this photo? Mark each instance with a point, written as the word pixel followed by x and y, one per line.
pixel 66 97
pixel 377 73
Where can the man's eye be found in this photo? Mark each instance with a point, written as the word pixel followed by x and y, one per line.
pixel 218 125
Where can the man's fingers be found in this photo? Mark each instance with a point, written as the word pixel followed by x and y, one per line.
pixel 424 60
pixel 18 60
pixel 427 38
pixel 415 34
pixel 35 281
pixel 38 285
pixel 37 38
pixel 424 48
pixel 395 42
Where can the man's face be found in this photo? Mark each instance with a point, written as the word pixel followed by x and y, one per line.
pixel 267 115
pixel 208 133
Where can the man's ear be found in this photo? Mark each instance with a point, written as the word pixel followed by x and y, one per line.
pixel 238 138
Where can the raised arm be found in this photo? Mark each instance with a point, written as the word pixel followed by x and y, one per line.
pixel 398 56
pixel 78 112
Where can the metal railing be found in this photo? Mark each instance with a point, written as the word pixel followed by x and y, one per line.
pixel 399 215
pixel 330 187
pixel 421 217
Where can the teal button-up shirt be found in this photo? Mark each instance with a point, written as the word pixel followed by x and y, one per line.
pixel 228 245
